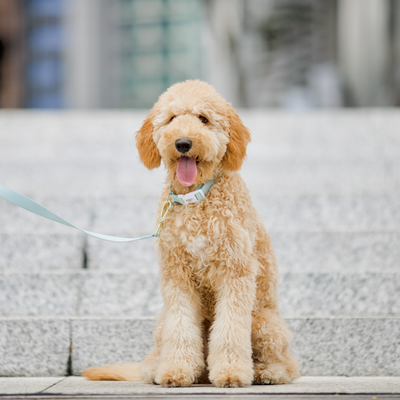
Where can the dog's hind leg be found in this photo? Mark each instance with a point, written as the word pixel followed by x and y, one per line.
pixel 273 362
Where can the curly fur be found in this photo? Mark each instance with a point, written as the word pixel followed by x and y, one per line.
pixel 219 277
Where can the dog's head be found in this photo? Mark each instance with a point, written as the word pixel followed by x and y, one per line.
pixel 195 132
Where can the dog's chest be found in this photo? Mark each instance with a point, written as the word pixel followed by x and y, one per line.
pixel 195 233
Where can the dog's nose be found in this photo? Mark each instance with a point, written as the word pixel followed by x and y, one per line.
pixel 183 145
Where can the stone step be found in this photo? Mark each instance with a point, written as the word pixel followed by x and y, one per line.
pixel 295 251
pixel 323 346
pixel 94 153
pixel 315 387
pixel 137 215
pixel 130 293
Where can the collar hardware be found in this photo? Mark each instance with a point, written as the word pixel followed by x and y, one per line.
pixel 192 197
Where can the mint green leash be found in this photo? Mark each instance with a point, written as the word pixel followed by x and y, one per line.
pixel 34 207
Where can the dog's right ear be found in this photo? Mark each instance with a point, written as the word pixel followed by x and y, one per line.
pixel 146 146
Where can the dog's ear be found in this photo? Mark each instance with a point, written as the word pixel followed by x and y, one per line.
pixel 146 146
pixel 239 137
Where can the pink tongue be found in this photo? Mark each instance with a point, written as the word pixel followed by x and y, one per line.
pixel 186 171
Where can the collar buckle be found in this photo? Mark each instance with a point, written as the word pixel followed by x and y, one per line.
pixel 192 197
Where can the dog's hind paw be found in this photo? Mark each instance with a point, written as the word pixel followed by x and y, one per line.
pixel 272 374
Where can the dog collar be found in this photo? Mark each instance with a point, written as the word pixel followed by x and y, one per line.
pixel 192 197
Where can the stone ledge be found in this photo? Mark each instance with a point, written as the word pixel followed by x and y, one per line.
pixel 304 385
pixel 135 293
pixel 323 346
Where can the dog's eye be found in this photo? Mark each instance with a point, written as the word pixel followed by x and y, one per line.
pixel 204 120
pixel 172 118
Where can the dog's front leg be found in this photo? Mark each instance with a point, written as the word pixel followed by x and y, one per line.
pixel 181 359
pixel 230 354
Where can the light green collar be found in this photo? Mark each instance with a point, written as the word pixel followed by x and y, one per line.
pixel 192 197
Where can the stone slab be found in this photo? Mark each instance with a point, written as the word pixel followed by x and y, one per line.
pixel 331 152
pixel 76 210
pixel 98 341
pixel 116 294
pixel 136 293
pixel 49 294
pixel 41 251
pixel 318 294
pixel 339 294
pixel 314 213
pixel 34 347
pixel 26 385
pixel 347 346
pixel 295 251
pixel 138 256
pixel 127 215
pixel 322 213
pixel 323 346
pixel 307 384
pixel 82 179
pixel 336 251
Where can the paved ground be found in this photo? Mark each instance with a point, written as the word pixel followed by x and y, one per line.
pixel 306 385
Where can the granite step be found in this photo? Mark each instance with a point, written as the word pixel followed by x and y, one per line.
pixel 338 152
pixel 137 214
pixel 136 293
pixel 295 251
pixel 334 346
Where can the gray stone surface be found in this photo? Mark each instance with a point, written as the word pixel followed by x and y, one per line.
pixel 314 213
pixel 295 251
pixel 323 346
pixel 137 294
pixel 137 256
pixel 354 213
pixel 44 251
pixel 39 294
pixel 337 251
pixel 335 152
pixel 334 294
pixel 103 341
pixel 26 385
pixel 126 215
pixel 34 347
pixel 307 384
pixel 133 294
pixel 76 210
pixel 347 346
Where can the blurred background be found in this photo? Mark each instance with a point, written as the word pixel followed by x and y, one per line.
pixel 291 54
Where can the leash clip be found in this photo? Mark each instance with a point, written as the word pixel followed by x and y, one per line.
pixel 165 210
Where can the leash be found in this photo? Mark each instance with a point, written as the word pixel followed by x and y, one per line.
pixel 35 208
pixel 32 206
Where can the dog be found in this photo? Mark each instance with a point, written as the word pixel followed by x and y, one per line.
pixel 218 272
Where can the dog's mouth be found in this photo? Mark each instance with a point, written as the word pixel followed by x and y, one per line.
pixel 186 170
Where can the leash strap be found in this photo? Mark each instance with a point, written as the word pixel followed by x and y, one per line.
pixel 30 205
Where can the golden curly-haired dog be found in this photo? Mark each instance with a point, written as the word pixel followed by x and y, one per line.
pixel 219 277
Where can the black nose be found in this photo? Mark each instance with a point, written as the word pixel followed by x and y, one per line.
pixel 183 145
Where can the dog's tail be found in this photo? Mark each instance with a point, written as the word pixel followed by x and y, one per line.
pixel 114 372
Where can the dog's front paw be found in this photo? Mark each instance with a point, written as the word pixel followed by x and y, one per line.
pixel 273 374
pixel 174 375
pixel 231 375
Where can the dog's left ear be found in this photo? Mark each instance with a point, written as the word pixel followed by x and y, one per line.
pixel 146 146
pixel 239 137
